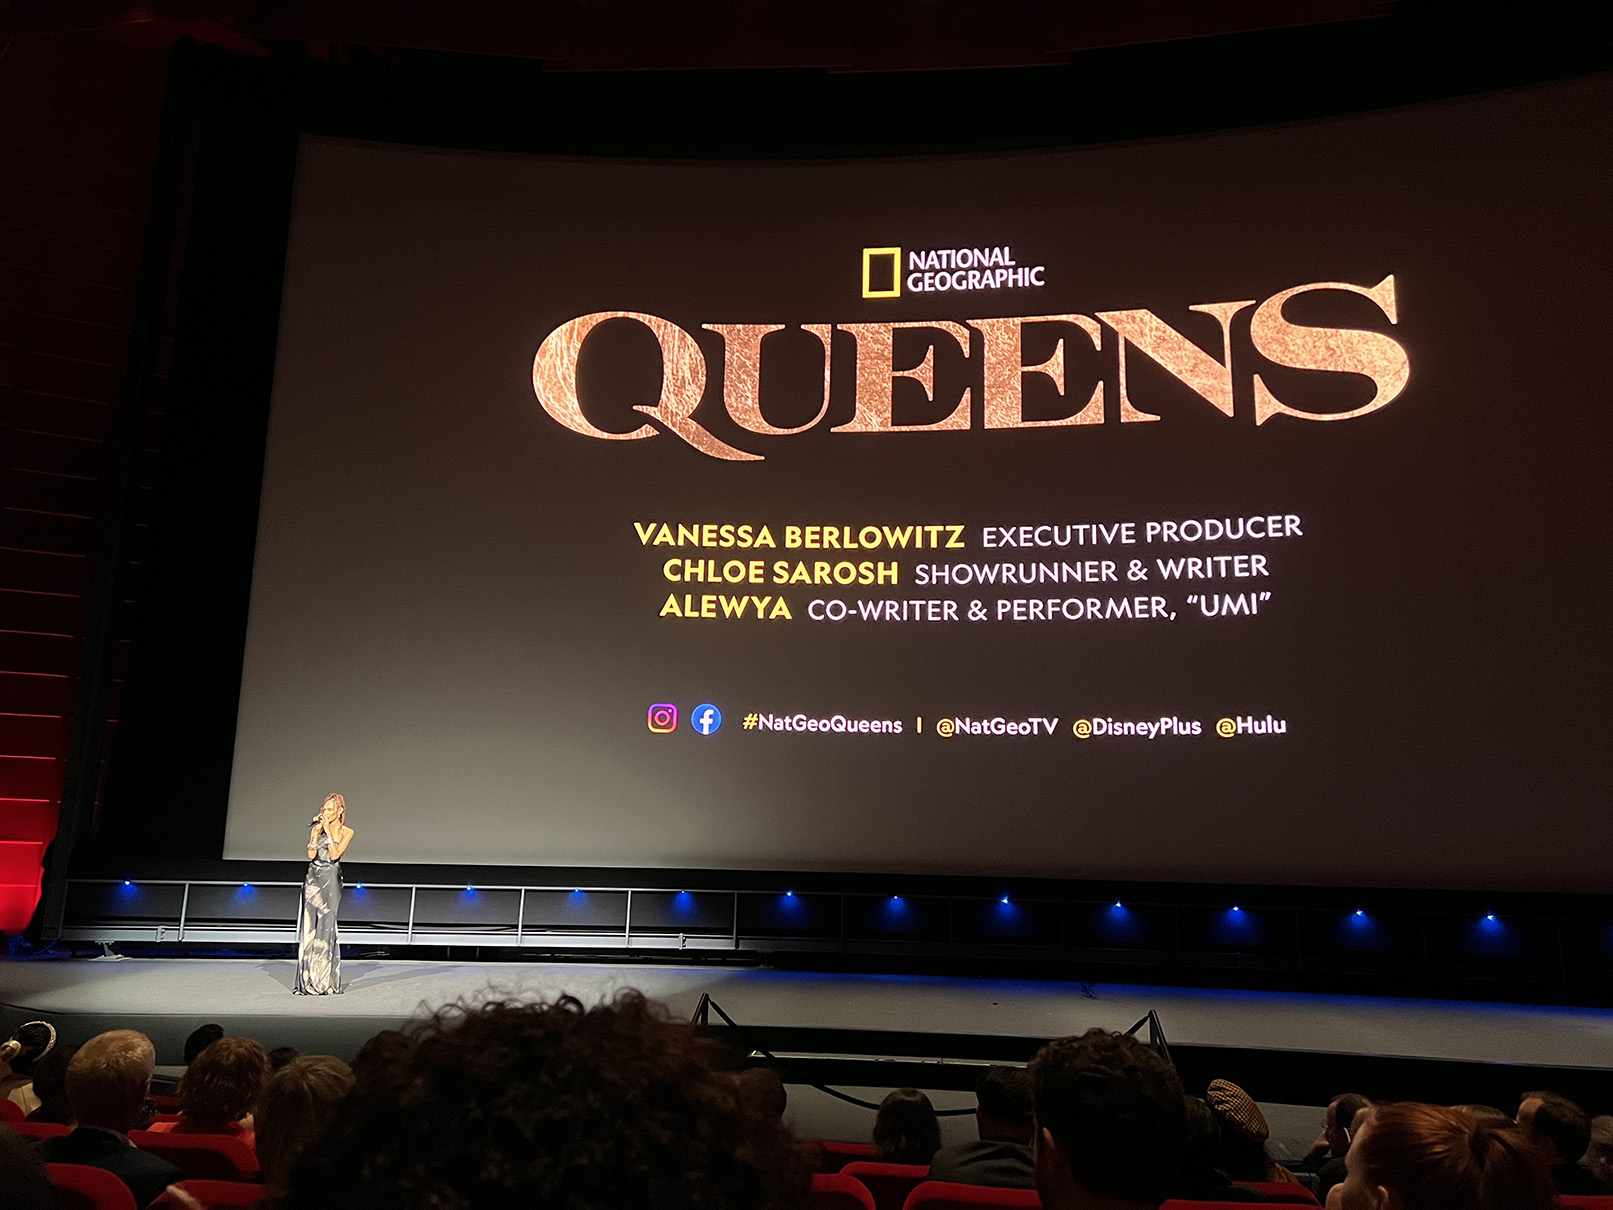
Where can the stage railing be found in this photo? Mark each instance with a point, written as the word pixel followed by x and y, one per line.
pixel 393 913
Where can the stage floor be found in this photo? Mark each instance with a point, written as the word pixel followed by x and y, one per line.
pixel 168 996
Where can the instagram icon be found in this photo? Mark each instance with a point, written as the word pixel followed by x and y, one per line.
pixel 663 718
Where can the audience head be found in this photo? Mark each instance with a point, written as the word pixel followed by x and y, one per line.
pixel 1003 1111
pixel 109 1077
pixel 1200 1148
pixel 906 1130
pixel 22 1175
pixel 280 1056
pixel 1426 1157
pixel 556 1104
pixel 382 1058
pixel 200 1039
pixel 1555 1125
pixel 31 1043
pixel 1600 1153
pixel 1111 1123
pixel 223 1082
pixel 298 1102
pixel 763 1091
pixel 50 1086
pixel 1242 1151
pixel 1341 1111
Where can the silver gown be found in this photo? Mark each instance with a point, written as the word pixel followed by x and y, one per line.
pixel 319 957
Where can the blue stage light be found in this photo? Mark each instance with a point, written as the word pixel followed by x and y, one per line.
pixel 578 891
pixel 1359 912
pixel 1120 905
pixel 127 883
pixel 1004 899
pixel 470 890
pixel 359 889
pixel 683 902
pixel 789 894
pixel 1236 908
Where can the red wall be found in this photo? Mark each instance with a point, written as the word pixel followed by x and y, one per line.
pixel 78 124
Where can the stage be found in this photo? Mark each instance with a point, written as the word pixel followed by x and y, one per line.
pixel 1393 1038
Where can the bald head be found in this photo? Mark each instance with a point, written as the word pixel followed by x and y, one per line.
pixel 109 1077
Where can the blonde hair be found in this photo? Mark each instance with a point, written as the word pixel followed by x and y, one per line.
pixel 108 1078
pixel 341 806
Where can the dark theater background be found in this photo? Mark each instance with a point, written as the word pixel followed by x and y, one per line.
pixel 149 190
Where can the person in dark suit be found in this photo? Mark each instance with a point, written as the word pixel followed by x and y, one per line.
pixel 1561 1132
pixel 1002 1155
pixel 107 1083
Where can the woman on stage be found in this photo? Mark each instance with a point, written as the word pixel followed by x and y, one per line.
pixel 319 958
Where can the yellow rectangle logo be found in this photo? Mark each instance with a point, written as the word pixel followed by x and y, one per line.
pixel 870 256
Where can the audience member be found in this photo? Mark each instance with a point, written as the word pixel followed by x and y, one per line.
pixel 1243 1155
pixel 50 1086
pixel 763 1091
pixel 383 1057
pixel 1599 1157
pixel 1005 1122
pixel 280 1056
pixel 1200 1180
pixel 1339 1128
pixel 18 1055
pixel 1426 1157
pixel 218 1090
pixel 555 1105
pixel 23 1182
pixel 200 1039
pixel 1110 1123
pixel 107 1082
pixel 1561 1131
pixel 297 1105
pixel 906 1130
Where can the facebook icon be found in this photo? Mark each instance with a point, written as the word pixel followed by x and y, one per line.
pixel 706 718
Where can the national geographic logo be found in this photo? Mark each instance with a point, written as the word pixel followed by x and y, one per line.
pixel 946 270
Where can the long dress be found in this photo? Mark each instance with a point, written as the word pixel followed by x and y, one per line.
pixel 319 956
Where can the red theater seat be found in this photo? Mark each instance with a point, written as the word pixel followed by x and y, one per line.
pixel 166 1102
pixel 1282 1191
pixel 216 1195
pixel 1586 1201
pixel 39 1130
pixel 831 1191
pixel 889 1183
pixel 10 1111
pixel 944 1195
pixel 201 1157
pixel 1176 1203
pixel 81 1187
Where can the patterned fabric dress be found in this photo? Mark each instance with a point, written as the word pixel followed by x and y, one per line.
pixel 319 957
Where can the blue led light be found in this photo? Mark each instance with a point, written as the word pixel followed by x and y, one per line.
pixel 1004 899
pixel 789 894
pixel 1359 912
pixel 1120 905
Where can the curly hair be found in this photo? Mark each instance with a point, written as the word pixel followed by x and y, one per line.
pixel 1116 1110
pixel 223 1082
pixel 552 1105
pixel 1434 1158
